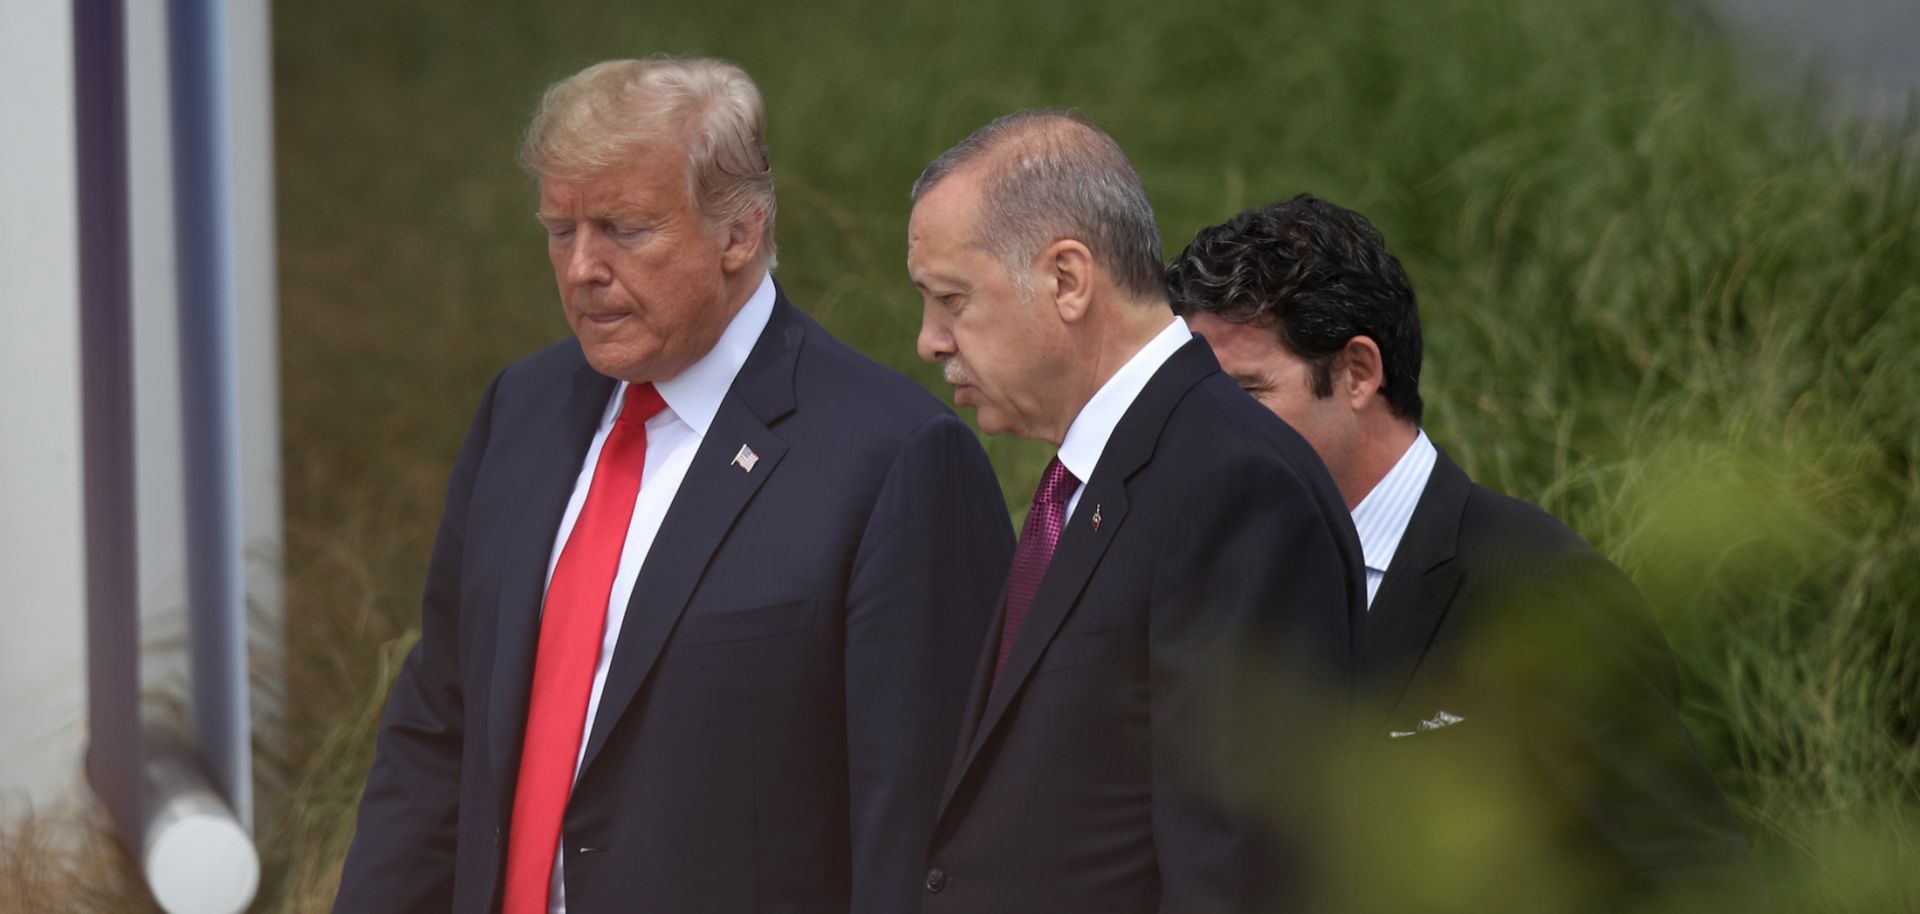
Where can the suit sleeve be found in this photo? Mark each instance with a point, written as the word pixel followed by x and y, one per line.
pixel 1600 718
pixel 930 564
pixel 402 857
pixel 1249 663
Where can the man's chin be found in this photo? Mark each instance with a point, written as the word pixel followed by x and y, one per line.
pixel 619 362
pixel 990 421
pixel 965 397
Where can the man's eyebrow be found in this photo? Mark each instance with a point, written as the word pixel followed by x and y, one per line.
pixel 929 279
pixel 618 213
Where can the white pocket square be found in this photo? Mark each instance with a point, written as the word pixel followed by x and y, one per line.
pixel 1438 720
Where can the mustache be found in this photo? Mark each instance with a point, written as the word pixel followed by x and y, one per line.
pixel 955 373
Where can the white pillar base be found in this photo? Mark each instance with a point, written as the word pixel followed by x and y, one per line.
pixel 198 858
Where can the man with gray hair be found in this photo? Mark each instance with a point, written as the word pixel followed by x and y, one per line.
pixel 1183 549
pixel 697 627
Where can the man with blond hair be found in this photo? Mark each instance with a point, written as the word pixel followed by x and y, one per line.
pixel 708 585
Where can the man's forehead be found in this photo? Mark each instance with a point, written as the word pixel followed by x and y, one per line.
pixel 944 223
pixel 955 196
pixel 1237 337
pixel 571 190
pixel 941 251
pixel 603 193
pixel 929 234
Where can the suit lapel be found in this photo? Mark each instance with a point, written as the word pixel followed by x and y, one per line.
pixel 551 471
pixel 1074 559
pixel 1419 586
pixel 977 696
pixel 710 498
pixel 1081 546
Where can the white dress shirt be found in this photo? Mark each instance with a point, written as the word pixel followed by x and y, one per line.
pixel 1381 517
pixel 1087 437
pixel 673 435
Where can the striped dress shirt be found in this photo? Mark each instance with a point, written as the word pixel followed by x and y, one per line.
pixel 1381 517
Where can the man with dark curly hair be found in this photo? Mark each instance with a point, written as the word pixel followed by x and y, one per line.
pixel 1525 740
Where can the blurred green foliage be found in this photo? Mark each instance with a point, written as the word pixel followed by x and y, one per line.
pixel 1677 313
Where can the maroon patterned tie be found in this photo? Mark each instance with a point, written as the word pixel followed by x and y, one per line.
pixel 1045 519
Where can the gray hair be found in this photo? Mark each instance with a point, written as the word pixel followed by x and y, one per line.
pixel 601 117
pixel 1054 174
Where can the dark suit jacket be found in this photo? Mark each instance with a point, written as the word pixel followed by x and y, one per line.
pixel 1496 613
pixel 781 705
pixel 1100 775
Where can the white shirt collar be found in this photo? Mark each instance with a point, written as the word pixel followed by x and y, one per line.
pixel 694 394
pixel 1087 437
pixel 1381 518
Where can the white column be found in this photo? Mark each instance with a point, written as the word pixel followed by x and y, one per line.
pixel 42 583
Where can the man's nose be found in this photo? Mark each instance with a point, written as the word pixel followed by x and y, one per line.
pixel 934 343
pixel 584 264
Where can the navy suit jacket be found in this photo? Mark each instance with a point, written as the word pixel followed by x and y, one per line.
pixel 781 706
pixel 1176 667
pixel 1567 696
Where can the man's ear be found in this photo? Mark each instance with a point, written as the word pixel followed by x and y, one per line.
pixel 1065 269
pixel 745 238
pixel 1358 372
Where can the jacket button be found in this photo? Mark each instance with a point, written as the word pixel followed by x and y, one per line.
pixel 936 880
pixel 496 838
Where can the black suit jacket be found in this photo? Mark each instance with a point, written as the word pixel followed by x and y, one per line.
pixel 1100 775
pixel 781 705
pixel 1592 793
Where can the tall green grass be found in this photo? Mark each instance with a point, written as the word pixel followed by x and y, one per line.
pixel 1679 314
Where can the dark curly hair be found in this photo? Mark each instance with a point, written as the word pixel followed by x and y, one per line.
pixel 1319 275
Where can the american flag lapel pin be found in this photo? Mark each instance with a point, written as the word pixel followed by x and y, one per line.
pixel 746 459
pixel 1096 517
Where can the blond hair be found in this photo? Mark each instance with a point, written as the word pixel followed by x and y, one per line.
pixel 603 116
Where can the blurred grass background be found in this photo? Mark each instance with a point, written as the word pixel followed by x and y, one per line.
pixel 1678 313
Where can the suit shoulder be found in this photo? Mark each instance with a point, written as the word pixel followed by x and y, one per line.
pixel 1525 557
pixel 553 364
pixel 1495 525
pixel 857 390
pixel 1235 427
pixel 1221 446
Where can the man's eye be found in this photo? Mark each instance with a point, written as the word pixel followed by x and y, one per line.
pixel 625 233
pixel 951 301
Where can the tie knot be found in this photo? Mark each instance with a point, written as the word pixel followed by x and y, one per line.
pixel 1056 484
pixel 642 403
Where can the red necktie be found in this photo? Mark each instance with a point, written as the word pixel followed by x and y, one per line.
pixel 572 625
pixel 1045 519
